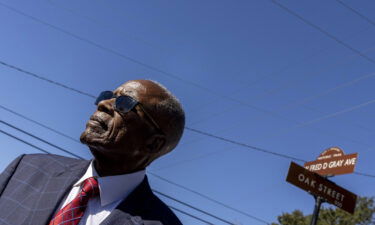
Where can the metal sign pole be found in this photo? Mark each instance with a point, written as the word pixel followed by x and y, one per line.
pixel 315 216
pixel 318 203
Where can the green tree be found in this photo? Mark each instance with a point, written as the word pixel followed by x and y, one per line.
pixel 364 215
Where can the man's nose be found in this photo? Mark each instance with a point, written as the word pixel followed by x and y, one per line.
pixel 107 106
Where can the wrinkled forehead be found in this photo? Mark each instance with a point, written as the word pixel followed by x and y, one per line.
pixel 132 88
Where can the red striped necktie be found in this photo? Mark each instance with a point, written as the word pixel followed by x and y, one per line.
pixel 72 213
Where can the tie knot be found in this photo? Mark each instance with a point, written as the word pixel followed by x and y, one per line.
pixel 90 187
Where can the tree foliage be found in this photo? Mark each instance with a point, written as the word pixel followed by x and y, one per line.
pixel 364 215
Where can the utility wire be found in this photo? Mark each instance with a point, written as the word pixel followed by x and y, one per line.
pixel 195 208
pixel 365 174
pixel 25 142
pixel 327 91
pixel 208 198
pixel 338 113
pixel 188 214
pixel 100 24
pixel 316 27
pixel 45 79
pixel 325 117
pixel 244 145
pixel 40 139
pixel 356 12
pixel 109 50
pixel 165 195
pixel 40 124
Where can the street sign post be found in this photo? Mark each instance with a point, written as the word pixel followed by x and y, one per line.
pixel 333 161
pixel 322 187
pixel 313 179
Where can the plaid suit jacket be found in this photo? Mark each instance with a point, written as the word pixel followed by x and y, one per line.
pixel 32 187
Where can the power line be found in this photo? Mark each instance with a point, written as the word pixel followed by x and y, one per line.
pixel 45 79
pixel 99 23
pixel 165 195
pixel 316 27
pixel 193 207
pixel 99 46
pixel 40 139
pixel 302 124
pixel 40 124
pixel 25 142
pixel 327 91
pixel 364 174
pixel 244 145
pixel 208 198
pixel 356 12
pixel 188 214
pixel 338 113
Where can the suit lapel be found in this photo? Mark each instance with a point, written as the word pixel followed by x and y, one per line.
pixel 57 186
pixel 134 204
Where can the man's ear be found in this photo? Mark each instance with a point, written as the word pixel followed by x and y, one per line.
pixel 155 143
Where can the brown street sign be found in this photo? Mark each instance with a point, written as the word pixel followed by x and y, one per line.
pixel 320 186
pixel 333 161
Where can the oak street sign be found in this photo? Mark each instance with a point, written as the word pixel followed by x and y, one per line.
pixel 320 186
pixel 333 161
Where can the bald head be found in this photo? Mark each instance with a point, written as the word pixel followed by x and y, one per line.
pixel 163 106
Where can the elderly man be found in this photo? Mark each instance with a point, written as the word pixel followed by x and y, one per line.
pixel 132 126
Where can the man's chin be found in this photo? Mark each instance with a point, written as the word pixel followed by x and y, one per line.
pixel 92 139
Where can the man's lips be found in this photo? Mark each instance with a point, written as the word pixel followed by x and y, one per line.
pixel 99 120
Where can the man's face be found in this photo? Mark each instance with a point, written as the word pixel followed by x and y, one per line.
pixel 117 134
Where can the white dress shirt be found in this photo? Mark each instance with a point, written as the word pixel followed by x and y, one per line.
pixel 113 189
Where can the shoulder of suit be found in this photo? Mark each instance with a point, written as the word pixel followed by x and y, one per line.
pixel 163 213
pixel 48 157
pixel 51 162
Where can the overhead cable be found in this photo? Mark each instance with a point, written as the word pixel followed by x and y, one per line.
pixel 302 124
pixel 99 23
pixel 244 145
pixel 99 46
pixel 326 33
pixel 40 124
pixel 25 142
pixel 207 197
pixel 195 208
pixel 45 79
pixel 356 12
pixel 327 91
pixel 188 214
pixel 40 139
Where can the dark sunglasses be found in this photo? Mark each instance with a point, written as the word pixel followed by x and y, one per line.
pixel 124 104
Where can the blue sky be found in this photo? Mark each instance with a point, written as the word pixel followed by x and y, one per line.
pixel 248 71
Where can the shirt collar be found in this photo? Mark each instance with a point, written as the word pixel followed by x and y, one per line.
pixel 113 188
